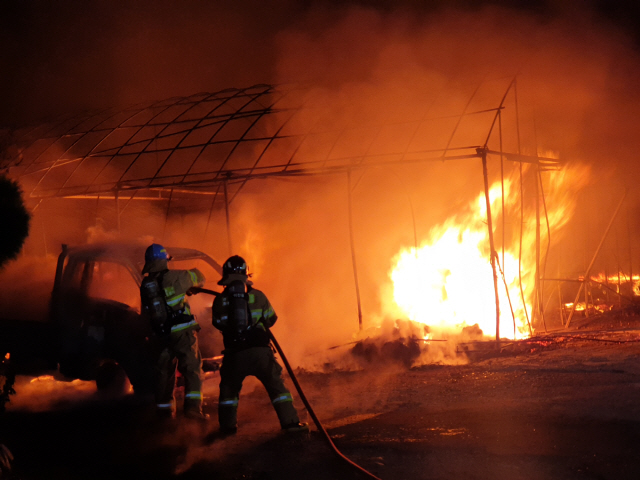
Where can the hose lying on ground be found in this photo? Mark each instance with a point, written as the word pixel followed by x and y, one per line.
pixel 312 413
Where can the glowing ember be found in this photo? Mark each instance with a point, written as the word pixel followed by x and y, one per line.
pixel 448 282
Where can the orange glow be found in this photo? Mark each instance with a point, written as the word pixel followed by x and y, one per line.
pixel 615 278
pixel 448 282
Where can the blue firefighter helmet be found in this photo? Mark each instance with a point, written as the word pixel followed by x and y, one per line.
pixel 155 252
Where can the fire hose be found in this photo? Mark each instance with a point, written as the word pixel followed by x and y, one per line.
pixel 307 405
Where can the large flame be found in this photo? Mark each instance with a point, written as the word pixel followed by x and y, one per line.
pixel 447 283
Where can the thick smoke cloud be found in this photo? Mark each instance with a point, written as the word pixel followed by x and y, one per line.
pixel 576 99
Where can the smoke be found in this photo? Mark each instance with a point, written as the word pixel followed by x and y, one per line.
pixel 576 97
pixel 575 85
pixel 575 72
pixel 364 66
pixel 38 394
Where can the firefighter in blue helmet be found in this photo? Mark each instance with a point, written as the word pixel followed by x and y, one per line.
pixel 176 327
pixel 243 314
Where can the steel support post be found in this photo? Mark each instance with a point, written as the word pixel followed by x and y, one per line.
pixel 493 253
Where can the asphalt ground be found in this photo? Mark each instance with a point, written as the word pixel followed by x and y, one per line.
pixel 564 405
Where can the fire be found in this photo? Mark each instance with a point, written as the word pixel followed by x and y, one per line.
pixel 616 279
pixel 447 283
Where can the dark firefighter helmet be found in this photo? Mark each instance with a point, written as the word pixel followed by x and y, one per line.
pixel 234 268
pixel 235 264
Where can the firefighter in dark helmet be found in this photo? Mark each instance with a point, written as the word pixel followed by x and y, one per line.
pixel 243 314
pixel 176 328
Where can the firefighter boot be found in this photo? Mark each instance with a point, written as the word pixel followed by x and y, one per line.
pixel 287 414
pixel 196 415
pixel 228 415
pixel 296 428
pixel 165 414
pixel 193 410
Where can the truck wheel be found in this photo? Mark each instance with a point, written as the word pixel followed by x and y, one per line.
pixel 111 378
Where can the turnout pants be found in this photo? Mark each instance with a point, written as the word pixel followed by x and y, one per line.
pixel 261 363
pixel 180 351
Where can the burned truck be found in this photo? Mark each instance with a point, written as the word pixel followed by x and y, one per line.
pixel 94 330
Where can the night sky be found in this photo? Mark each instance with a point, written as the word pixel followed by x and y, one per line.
pixel 68 56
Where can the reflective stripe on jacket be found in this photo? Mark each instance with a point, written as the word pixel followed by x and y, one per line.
pixel 175 284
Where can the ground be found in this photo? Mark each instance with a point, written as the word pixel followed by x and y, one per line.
pixel 564 406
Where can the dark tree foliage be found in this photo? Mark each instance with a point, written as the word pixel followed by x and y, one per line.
pixel 14 220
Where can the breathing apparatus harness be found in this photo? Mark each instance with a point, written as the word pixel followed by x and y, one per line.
pixel 241 330
pixel 240 314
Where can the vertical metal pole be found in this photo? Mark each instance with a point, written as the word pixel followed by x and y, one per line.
pixel 630 258
pixel 44 237
pixel 118 210
pixel 606 282
pixel 620 287
pixel 560 298
pixel 504 214
pixel 561 303
pixel 524 302
pixel 226 209
pixel 166 216
pixel 538 287
pixel 491 243
pixel 353 251
pixel 618 265
pixel 206 228
pixel 616 256
pixel 587 286
pixel 97 210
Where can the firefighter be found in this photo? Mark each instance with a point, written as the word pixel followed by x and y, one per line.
pixel 243 314
pixel 177 335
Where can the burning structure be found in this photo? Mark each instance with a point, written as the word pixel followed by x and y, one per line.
pixel 149 169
